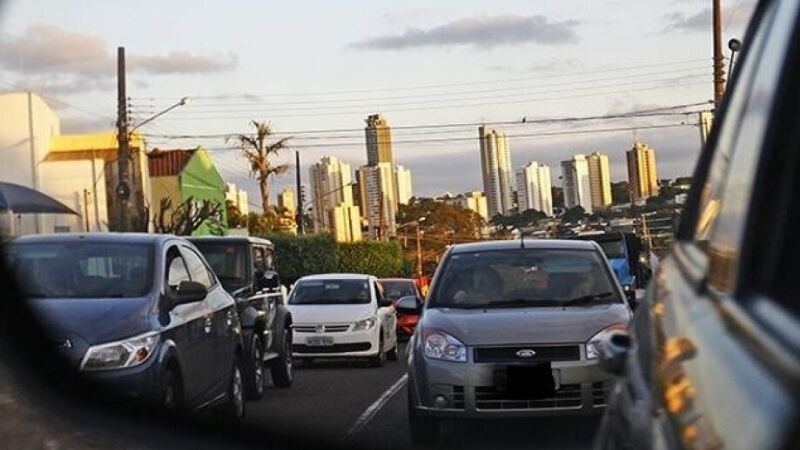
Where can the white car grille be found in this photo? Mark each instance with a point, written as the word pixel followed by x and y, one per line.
pixel 322 328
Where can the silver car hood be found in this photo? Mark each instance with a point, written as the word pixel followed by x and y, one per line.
pixel 475 327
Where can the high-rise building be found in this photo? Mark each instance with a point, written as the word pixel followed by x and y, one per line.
pixel 534 189
pixel 642 175
pixel 577 189
pixel 286 200
pixel 332 194
pixel 379 140
pixel 404 188
pixel 379 199
pixel 474 200
pixel 599 180
pixel 238 197
pixel 496 170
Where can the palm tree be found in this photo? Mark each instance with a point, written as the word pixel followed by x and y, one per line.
pixel 258 153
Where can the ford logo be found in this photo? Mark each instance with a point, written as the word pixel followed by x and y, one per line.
pixel 526 353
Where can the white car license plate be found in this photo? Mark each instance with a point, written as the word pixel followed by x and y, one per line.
pixel 319 340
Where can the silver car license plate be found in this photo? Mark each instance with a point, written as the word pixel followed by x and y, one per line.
pixel 319 341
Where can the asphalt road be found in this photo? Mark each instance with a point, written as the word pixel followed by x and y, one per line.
pixel 328 400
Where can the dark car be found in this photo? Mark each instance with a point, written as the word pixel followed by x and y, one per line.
pixel 406 289
pixel 510 330
pixel 143 314
pixel 713 355
pixel 246 268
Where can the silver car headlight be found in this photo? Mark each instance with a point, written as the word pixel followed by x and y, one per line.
pixel 365 324
pixel 592 350
pixel 440 345
pixel 120 354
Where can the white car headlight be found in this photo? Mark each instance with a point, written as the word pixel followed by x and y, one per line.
pixel 592 350
pixel 120 354
pixel 365 324
pixel 440 345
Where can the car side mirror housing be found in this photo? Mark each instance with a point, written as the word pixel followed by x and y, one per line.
pixel 269 280
pixel 409 305
pixel 613 353
pixel 188 292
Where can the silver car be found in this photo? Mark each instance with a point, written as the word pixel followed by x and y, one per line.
pixel 510 329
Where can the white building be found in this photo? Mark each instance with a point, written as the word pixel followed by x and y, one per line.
pixel 577 188
pixel 496 170
pixel 332 194
pixel 377 190
pixel 599 180
pixel 534 188
pixel 238 197
pixel 405 190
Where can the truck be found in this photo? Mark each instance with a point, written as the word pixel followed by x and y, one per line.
pixel 246 269
pixel 624 251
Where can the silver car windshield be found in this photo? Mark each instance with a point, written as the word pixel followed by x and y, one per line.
pixel 525 277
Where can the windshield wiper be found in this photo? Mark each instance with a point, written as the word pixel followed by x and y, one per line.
pixel 587 299
pixel 511 303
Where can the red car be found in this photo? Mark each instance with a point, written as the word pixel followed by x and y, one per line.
pixel 396 288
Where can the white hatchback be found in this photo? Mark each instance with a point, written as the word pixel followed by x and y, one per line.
pixel 342 316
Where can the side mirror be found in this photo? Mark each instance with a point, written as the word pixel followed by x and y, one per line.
pixel 613 353
pixel 188 292
pixel 408 305
pixel 269 280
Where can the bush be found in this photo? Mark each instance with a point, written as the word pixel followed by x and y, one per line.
pixel 298 256
pixel 382 259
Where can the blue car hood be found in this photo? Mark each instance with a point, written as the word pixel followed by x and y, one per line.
pixel 75 324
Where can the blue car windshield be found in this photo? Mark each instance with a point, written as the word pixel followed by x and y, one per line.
pixel 524 277
pixel 330 292
pixel 82 269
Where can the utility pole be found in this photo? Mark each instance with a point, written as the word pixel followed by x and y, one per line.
pixel 299 215
pixel 123 190
pixel 719 60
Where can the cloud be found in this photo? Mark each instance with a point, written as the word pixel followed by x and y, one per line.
pixel 64 61
pixel 181 62
pixel 481 32
pixel 550 65
pixel 701 20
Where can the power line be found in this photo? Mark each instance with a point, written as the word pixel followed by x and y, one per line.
pixel 650 112
pixel 467 139
pixel 430 97
pixel 444 85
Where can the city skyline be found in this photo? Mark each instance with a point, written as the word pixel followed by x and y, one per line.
pixel 496 170
pixel 522 73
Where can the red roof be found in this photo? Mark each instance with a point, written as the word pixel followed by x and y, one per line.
pixel 165 163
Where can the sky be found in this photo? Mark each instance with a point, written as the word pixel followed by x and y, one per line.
pixel 314 67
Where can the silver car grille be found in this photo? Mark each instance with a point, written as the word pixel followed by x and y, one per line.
pixel 322 328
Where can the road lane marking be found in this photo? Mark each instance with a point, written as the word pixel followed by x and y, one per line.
pixel 373 409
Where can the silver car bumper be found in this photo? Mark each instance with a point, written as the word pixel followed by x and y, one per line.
pixel 469 390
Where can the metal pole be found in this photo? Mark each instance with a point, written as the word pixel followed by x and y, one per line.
pixel 419 253
pixel 299 215
pixel 123 188
pixel 719 63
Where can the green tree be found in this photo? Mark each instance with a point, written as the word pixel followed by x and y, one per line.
pixel 620 192
pixel 259 153
pixel 235 217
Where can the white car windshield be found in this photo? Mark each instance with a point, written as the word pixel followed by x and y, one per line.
pixel 330 292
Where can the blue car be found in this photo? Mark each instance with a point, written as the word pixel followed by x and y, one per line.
pixel 623 251
pixel 142 314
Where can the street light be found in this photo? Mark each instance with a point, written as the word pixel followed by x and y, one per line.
pixel 123 190
pixel 183 101
pixel 734 45
pixel 419 244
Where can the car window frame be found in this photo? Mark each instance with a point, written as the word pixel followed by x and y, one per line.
pixel 209 273
pixel 168 263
